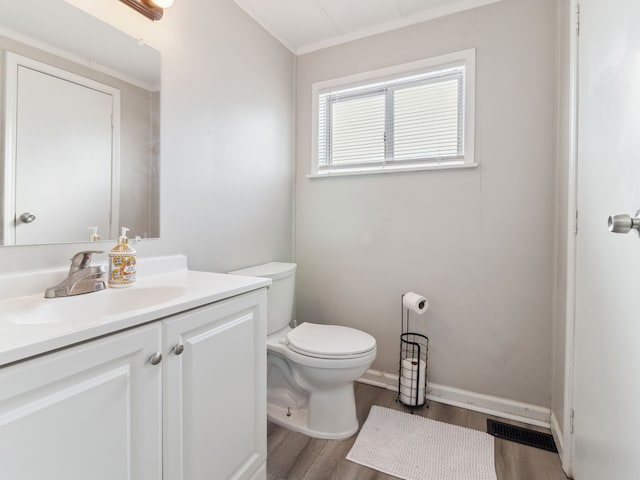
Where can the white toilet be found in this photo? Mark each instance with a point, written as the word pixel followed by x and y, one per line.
pixel 310 368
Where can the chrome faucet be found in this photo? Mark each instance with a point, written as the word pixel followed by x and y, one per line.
pixel 82 278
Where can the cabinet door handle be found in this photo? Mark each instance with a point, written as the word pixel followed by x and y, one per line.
pixel 155 359
pixel 27 217
pixel 178 349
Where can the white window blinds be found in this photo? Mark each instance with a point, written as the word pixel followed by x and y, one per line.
pixel 415 119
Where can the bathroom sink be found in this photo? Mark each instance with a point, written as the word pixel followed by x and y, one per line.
pixel 35 310
pixel 28 311
pixel 31 325
pixel 142 296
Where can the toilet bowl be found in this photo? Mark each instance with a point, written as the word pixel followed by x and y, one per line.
pixel 310 368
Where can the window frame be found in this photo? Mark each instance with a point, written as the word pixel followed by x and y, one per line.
pixel 375 79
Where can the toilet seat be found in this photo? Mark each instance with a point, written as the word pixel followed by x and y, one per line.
pixel 330 341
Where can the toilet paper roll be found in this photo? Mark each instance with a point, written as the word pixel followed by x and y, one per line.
pixel 411 367
pixel 409 383
pixel 409 392
pixel 411 400
pixel 410 389
pixel 410 377
pixel 414 302
pixel 408 397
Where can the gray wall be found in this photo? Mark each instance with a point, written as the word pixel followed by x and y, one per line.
pixel 477 242
pixel 228 185
pixel 227 137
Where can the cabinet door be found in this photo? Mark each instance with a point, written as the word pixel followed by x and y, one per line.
pixel 215 391
pixel 92 411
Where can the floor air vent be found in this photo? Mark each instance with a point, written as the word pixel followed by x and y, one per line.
pixel 521 435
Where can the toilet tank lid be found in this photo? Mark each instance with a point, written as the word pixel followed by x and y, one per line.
pixel 272 270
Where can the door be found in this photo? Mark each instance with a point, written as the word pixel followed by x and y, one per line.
pixel 215 391
pixel 607 329
pixel 86 412
pixel 60 151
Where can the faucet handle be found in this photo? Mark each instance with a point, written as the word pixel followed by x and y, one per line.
pixel 83 259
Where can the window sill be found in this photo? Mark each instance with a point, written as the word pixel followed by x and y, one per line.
pixel 393 169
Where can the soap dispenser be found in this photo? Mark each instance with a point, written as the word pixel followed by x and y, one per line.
pixel 94 237
pixel 122 263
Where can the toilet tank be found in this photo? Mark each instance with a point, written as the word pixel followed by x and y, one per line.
pixel 280 293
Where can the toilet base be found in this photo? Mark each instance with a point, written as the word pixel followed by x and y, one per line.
pixel 316 392
pixel 298 421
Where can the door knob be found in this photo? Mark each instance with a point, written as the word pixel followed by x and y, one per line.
pixel 178 349
pixel 623 223
pixel 27 217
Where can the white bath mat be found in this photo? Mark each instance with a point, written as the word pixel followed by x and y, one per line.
pixel 417 448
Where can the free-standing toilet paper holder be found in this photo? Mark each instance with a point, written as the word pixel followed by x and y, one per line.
pixel 412 371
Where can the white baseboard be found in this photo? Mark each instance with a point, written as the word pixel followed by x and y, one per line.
pixel 556 431
pixel 261 473
pixel 558 437
pixel 488 404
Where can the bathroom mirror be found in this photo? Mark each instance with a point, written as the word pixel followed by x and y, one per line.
pixel 80 127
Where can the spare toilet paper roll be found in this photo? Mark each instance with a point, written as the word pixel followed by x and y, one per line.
pixel 411 400
pixel 411 392
pixel 410 369
pixel 408 394
pixel 415 302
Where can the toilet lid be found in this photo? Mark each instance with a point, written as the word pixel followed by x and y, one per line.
pixel 329 340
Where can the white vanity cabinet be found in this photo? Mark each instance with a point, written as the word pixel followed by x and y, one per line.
pixel 92 411
pixel 215 415
pixel 107 409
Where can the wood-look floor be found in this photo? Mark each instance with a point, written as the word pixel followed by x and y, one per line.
pixel 293 456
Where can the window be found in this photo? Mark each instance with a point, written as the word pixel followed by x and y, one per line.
pixel 410 117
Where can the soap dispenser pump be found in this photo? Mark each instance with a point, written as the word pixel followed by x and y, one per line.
pixel 122 263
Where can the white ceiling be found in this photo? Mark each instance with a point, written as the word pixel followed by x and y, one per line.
pixel 307 25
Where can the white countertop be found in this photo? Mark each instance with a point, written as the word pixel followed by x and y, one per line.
pixel 31 325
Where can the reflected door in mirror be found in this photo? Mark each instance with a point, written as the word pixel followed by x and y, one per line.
pixel 64 155
pixel 85 46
